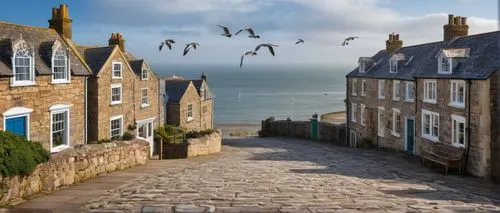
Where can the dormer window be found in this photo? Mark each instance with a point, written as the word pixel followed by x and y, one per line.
pixel 445 65
pixel 60 66
pixel 393 66
pixel 144 74
pixel 362 67
pixel 22 65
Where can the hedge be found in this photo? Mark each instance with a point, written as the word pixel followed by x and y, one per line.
pixel 19 156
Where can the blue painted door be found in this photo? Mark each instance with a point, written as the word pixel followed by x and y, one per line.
pixel 410 135
pixel 16 125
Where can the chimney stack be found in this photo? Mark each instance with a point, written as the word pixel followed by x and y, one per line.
pixel 117 39
pixel 393 43
pixel 60 21
pixel 457 26
pixel 203 76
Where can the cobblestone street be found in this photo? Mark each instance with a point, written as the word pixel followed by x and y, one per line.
pixel 287 175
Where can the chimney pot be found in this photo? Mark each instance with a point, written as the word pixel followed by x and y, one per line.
pixel 117 39
pixel 61 22
pixel 456 27
pixel 450 19
pixel 464 20
pixel 393 43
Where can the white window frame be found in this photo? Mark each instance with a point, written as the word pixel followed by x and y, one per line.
pixel 391 63
pixel 110 125
pixel 144 104
pixel 113 70
pixel 381 89
pixel 454 138
pixel 394 90
pixel 121 94
pixel 432 117
pixel 354 110
pixel 409 86
pixel 57 109
pixel 380 122
pixel 362 67
pixel 394 122
pixel 363 87
pixel 440 65
pixel 354 87
pixel 144 71
pixel 67 67
pixel 16 112
pixel 190 118
pixel 363 115
pixel 433 96
pixel 454 95
pixel 25 54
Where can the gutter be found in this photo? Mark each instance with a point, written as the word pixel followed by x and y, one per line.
pixel 415 99
pixel 469 82
pixel 348 110
pixel 85 120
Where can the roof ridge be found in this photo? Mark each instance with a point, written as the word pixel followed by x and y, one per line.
pixel 22 25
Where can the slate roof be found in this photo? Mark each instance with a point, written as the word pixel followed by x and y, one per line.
pixel 41 41
pixel 137 66
pixel 175 89
pixel 96 57
pixel 421 60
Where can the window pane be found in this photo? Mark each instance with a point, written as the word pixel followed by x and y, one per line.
pixel 59 130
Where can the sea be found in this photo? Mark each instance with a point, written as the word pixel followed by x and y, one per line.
pixel 256 92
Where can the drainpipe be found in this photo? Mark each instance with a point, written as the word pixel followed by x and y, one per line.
pixel 469 83
pixel 415 100
pixel 348 110
pixel 85 101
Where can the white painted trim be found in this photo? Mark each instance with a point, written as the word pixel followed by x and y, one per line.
pixel 394 98
pixel 450 64
pixel 113 70
pixel 362 67
pixel 146 120
pixel 460 119
pixel 363 115
pixel 392 61
pixel 27 115
pixel 121 93
pixel 147 97
pixel 60 107
pixel 430 137
pixel 408 83
pixel 55 110
pixel 354 87
pixel 363 87
pixel 68 69
pixel 121 125
pixel 379 122
pixel 379 89
pixel 17 111
pixel 354 111
pixel 454 103
pixel 142 74
pixel 426 99
pixel 393 132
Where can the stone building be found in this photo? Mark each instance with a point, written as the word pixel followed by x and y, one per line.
pixel 43 83
pixel 189 103
pixel 406 98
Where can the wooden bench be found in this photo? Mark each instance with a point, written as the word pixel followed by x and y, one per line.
pixel 446 155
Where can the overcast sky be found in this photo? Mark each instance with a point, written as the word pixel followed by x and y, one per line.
pixel 321 23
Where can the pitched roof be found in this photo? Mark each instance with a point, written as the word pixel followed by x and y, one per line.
pixel 420 60
pixel 175 89
pixel 96 57
pixel 40 41
pixel 137 66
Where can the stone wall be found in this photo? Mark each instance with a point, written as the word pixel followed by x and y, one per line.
pixel 75 165
pixel 207 145
pixel 328 132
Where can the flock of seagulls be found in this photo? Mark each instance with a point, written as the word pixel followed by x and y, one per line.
pixel 251 34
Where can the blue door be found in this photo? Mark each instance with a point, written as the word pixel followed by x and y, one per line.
pixel 410 135
pixel 16 125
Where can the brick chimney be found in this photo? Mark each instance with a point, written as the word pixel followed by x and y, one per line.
pixel 457 26
pixel 60 21
pixel 203 76
pixel 393 43
pixel 117 39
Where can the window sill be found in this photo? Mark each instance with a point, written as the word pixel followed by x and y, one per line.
pixel 380 135
pixel 354 94
pixel 430 101
pixel 395 134
pixel 144 106
pixel 353 121
pixel 431 138
pixel 115 103
pixel 363 124
pixel 60 82
pixel 410 100
pixel 457 105
pixel 23 84
pixel 58 148
pixel 380 97
pixel 458 145
pixel 116 78
pixel 363 95
pixel 144 79
pixel 396 99
pixel 189 119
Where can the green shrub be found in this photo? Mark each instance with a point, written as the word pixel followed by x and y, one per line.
pixel 207 132
pixel 193 134
pixel 169 134
pixel 127 136
pixel 19 156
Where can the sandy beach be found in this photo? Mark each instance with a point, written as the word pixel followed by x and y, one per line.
pixel 238 129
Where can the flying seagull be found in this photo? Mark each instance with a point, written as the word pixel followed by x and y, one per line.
pixel 346 41
pixel 250 31
pixel 188 46
pixel 226 33
pixel 269 46
pixel 250 53
pixel 299 41
pixel 167 42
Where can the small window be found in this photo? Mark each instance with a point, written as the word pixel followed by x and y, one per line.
pixel 117 70
pixel 410 91
pixel 393 66
pixel 457 94
pixel 190 113
pixel 60 67
pixel 396 122
pixel 458 130
pixel 430 91
pixel 381 89
pixel 353 112
pixel 116 127
pixel 23 67
pixel 144 74
pixel 144 97
pixel 363 87
pixel 396 88
pixel 362 67
pixel 430 125
pixel 59 130
pixel 445 65
pixel 363 115
pixel 116 94
pixel 381 117
pixel 353 89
